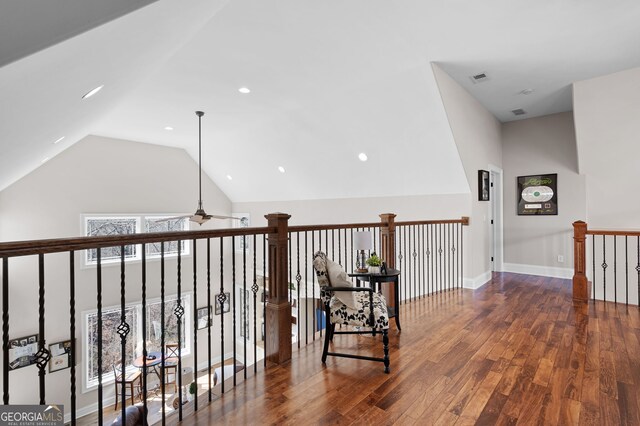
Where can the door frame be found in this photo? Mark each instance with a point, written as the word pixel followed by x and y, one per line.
pixel 496 214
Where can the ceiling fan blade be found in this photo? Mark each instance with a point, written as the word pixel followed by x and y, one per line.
pixel 166 219
pixel 215 216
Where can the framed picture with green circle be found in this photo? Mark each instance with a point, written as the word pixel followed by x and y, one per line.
pixel 537 195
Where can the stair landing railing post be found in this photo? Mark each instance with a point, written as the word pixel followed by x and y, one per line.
pixel 580 283
pixel 278 315
pixel 388 250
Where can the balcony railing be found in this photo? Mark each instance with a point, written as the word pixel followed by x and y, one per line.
pixel 606 265
pixel 264 275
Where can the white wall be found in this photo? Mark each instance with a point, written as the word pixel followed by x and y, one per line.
pixel 539 146
pixel 478 137
pixel 607 115
pixel 97 175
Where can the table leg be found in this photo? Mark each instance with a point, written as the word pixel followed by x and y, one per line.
pixel 397 301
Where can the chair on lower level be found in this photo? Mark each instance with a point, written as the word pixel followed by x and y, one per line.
pixel 132 382
pixel 170 365
pixel 349 305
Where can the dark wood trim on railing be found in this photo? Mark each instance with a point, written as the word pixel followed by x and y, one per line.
pixel 306 228
pixel 580 283
pixel 278 321
pixel 32 247
pixel 464 220
pixel 613 233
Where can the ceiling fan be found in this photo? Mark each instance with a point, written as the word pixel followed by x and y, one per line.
pixel 200 216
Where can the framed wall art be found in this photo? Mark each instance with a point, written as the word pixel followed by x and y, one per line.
pixel 60 356
pixel 483 185
pixel 226 307
pixel 204 317
pixel 537 195
pixel 22 351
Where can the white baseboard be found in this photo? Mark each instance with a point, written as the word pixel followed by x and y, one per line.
pixel 545 271
pixel 477 282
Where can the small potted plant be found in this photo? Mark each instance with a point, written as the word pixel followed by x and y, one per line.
pixel 193 387
pixel 374 263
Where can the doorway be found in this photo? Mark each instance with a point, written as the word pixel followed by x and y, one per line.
pixel 496 253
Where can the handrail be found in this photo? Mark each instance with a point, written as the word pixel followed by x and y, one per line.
pixel 305 228
pixel 464 220
pixel 612 232
pixel 58 245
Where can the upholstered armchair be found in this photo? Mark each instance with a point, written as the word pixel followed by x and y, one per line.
pixel 348 305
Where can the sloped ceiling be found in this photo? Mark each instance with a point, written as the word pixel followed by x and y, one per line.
pixel 328 80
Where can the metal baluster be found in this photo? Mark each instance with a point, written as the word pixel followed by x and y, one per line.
pixel 162 329
pixel 254 289
pixel 43 355
pixel 339 248
pixel 415 265
pixel 123 330
pixel 593 261
pixel 425 289
pixel 306 290
pixel 401 277
pixel 221 299
pixel 298 279
pixel 350 251
pixel 638 267
pixel 234 297
pixel 449 255
pixel 264 293
pixel 72 334
pixel 210 325
pixel 264 296
pixel 461 254
pixel 313 282
pixel 615 270
pixel 626 267
pixel 440 255
pixel 195 323
pixel 245 303
pixel 604 267
pixel 179 312
pixel 5 330
pixel 407 258
pixel 144 333
pixel 99 314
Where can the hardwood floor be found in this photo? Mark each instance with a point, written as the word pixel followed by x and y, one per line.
pixel 516 351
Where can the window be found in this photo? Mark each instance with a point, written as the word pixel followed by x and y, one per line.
pixel 101 225
pixel 111 343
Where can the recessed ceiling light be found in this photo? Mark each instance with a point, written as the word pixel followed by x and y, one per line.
pixel 92 92
pixel 229 177
pixel 281 169
pixel 168 128
pixel 244 90
pixel 45 160
pixel 362 156
pixel 526 92
pixel 58 140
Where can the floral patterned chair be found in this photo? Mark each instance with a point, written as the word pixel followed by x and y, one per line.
pixel 349 305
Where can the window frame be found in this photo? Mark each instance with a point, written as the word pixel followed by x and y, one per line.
pixel 89 385
pixel 141 219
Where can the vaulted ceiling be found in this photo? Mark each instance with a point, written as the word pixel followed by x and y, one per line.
pixel 328 81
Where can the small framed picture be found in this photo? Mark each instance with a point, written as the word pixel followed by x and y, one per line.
pixel 204 317
pixel 60 356
pixel 483 185
pixel 226 307
pixel 22 352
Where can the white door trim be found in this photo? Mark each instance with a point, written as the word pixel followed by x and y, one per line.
pixel 497 229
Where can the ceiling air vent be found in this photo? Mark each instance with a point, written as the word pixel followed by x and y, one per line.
pixel 479 78
pixel 518 111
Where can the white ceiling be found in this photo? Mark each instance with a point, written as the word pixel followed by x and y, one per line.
pixel 328 80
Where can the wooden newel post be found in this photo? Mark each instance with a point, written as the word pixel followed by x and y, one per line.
pixel 388 250
pixel 278 315
pixel 580 283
